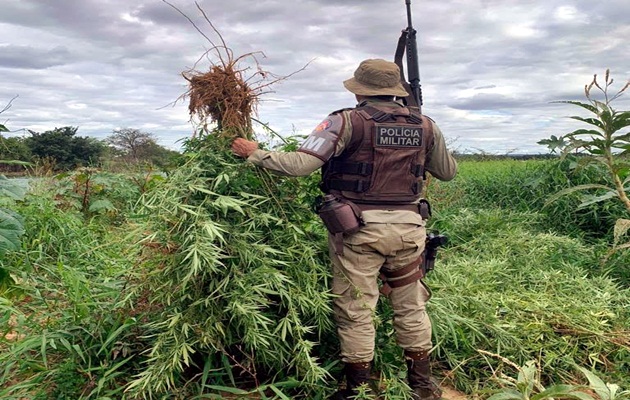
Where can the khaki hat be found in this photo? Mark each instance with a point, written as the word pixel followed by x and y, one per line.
pixel 376 77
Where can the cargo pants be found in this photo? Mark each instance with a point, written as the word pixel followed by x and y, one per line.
pixel 355 284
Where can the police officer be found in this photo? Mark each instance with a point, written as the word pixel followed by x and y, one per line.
pixel 374 157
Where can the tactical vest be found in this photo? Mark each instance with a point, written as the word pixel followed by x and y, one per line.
pixel 384 161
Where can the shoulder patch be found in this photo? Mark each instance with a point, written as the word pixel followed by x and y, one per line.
pixel 322 142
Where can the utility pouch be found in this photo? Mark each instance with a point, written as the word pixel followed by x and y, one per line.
pixel 339 217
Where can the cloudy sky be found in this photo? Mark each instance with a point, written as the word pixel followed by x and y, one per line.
pixel 489 68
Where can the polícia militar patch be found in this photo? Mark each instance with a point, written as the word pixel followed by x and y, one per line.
pixel 387 135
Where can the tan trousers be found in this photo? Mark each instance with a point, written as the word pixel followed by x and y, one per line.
pixel 355 273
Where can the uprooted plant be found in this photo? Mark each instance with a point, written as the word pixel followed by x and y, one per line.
pixel 231 280
pixel 227 94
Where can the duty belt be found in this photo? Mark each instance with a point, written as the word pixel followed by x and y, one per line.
pixel 423 208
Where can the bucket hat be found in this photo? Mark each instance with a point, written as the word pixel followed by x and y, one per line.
pixel 376 77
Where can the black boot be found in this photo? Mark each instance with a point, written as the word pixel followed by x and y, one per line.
pixel 357 374
pixel 419 375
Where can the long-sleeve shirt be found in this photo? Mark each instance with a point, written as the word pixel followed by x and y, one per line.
pixel 440 164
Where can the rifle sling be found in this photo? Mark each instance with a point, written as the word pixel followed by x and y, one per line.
pixel 400 52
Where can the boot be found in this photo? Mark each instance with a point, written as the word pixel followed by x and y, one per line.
pixel 419 376
pixel 357 374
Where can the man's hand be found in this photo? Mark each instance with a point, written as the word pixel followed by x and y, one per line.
pixel 243 148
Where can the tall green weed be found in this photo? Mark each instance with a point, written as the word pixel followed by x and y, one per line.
pixel 68 339
pixel 505 286
pixel 526 186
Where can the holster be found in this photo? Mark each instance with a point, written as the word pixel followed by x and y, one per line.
pixel 340 217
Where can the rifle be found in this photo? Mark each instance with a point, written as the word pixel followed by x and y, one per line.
pixel 407 42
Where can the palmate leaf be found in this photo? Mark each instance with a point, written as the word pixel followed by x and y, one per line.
pixel 11 228
pixel 553 143
pixel 10 188
pixel 101 205
pixel 607 117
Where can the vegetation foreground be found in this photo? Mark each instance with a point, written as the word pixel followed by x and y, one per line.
pixel 213 283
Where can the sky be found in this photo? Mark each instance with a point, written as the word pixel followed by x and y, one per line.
pixel 490 70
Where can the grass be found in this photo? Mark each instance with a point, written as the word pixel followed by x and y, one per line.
pixel 217 283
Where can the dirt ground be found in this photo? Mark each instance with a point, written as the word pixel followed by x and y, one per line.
pixel 452 394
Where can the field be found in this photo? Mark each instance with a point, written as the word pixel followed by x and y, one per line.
pixel 212 282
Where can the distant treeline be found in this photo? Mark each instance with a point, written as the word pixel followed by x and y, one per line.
pixel 486 156
pixel 61 149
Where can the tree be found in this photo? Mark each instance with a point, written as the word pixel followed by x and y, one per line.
pixel 14 154
pixel 131 142
pixel 67 150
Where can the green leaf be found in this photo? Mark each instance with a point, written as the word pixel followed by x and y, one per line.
pixel 279 393
pixel 579 132
pixel 553 143
pixel 574 189
pixel 3 128
pixel 11 228
pixel 590 200
pixel 101 205
pixel 227 389
pixel 587 106
pixel 561 391
pixel 16 162
pixel 596 384
pixel 590 121
pixel 623 138
pixel 620 121
pixel 12 189
pixel 507 394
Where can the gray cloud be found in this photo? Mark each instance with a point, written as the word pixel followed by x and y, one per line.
pixel 489 68
pixel 28 57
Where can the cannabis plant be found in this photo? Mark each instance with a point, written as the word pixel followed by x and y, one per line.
pixel 232 280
